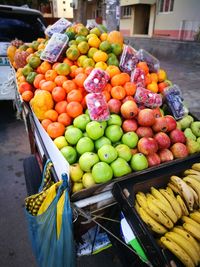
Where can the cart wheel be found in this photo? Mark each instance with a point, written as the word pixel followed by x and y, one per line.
pixel 33 175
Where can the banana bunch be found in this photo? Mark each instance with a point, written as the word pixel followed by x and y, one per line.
pixel 183 241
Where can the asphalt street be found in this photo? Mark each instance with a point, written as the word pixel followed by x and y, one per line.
pixel 15 248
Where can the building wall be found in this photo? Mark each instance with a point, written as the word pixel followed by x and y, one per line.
pixel 181 23
pixel 126 26
pixel 61 8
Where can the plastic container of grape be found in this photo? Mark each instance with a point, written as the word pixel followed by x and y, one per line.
pixel 124 193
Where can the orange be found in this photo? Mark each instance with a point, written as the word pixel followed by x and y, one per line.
pixel 61 107
pixel 124 77
pixel 153 87
pixel 58 94
pixel 101 65
pixel 103 36
pixel 65 119
pixel 143 65
pixel 55 129
pixel 45 123
pixel 113 70
pixel 120 79
pixel 27 96
pixel 130 88
pixel 154 77
pixel 148 79
pixel 51 114
pixel 83 47
pixel 118 92
pixel 21 79
pixel 48 86
pixel 80 78
pixel 100 56
pixel 72 73
pixel 63 69
pixel 41 82
pixel 162 75
pixel 60 79
pixel 69 85
pixel 106 95
pixel 30 50
pixel 24 86
pixel 37 80
pixel 74 109
pixel 161 86
pixel 69 62
pixel 83 103
pixel 88 70
pixel 108 87
pixel 72 53
pixel 74 95
pixel 50 75
pixel 78 70
pixel 55 65
pixel 94 42
pixel 45 66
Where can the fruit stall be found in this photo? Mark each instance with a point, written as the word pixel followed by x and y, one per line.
pixel 108 116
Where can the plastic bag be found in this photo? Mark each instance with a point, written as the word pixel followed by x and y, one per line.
pixel 50 223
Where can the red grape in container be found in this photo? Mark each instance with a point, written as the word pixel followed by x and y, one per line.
pixel 128 60
pixel 138 77
pixel 97 107
pixel 147 98
pixel 59 26
pixel 96 81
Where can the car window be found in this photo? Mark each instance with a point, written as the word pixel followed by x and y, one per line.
pixel 24 27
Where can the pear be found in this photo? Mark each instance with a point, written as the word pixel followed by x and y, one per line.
pixel 186 121
pixel 178 125
pixel 192 146
pixel 198 140
pixel 189 134
pixel 195 127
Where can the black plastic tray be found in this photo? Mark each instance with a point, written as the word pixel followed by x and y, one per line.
pixel 124 193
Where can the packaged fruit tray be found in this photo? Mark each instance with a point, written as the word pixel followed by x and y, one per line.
pixel 125 193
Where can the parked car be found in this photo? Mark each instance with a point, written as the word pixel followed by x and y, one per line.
pixel 24 24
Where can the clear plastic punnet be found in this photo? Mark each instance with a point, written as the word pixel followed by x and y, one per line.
pixel 55 47
pixel 97 107
pixel 59 26
pixel 128 60
pixel 96 81
pixel 152 62
pixel 174 100
pixel 138 77
pixel 147 98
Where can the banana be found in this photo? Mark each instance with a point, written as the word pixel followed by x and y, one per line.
pixel 177 251
pixel 182 205
pixel 159 196
pixel 174 203
pixel 196 167
pixel 174 188
pixel 196 177
pixel 181 231
pixel 195 185
pixel 155 226
pixel 141 199
pixel 168 211
pixel 184 244
pixel 170 191
pixel 184 188
pixel 190 228
pixel 191 221
pixel 160 215
pixel 191 172
pixel 137 206
pixel 195 216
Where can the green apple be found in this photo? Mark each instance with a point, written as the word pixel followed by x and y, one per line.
pixel 95 130
pixel 81 121
pixel 88 180
pixel 85 144
pixel 139 162
pixel 116 49
pixel 60 142
pixel 186 121
pixel 87 160
pixel 120 167
pixel 130 139
pixel 102 172
pixel 107 153
pixel 195 127
pixel 69 153
pixel 114 120
pixel 72 135
pixel 101 142
pixel 104 124
pixel 77 187
pixel 114 133
pixel 189 134
pixel 198 140
pixel 124 152
pixel 75 172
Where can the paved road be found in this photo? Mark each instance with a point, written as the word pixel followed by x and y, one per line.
pixel 15 250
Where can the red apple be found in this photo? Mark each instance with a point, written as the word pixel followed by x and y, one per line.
pixel 179 150
pixel 114 105
pixel 157 112
pixel 163 140
pixel 153 159
pixel 146 117
pixel 160 125
pixel 134 151
pixel 171 123
pixel 129 109
pixel 128 97
pixel 177 136
pixel 129 125
pixel 165 155
pixel 147 145
pixel 144 132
